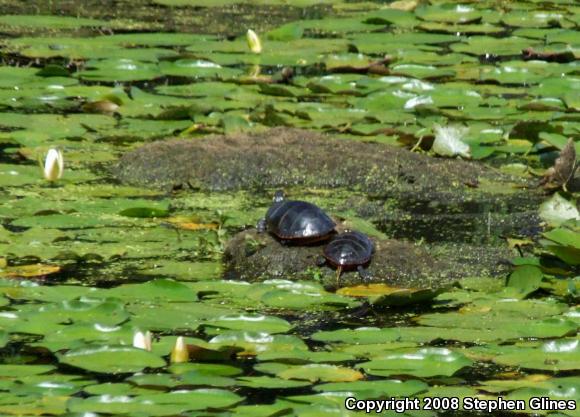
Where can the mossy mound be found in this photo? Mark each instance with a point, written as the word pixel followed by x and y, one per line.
pixel 283 157
pixel 253 256
pixel 457 208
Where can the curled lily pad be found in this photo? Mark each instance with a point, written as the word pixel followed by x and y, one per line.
pixel 526 279
pixel 448 141
pixel 557 210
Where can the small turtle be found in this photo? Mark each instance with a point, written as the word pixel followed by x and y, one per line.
pixel 296 221
pixel 349 250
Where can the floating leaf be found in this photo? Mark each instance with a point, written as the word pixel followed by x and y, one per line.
pixel 422 363
pixel 383 294
pixel 50 22
pixel 321 372
pixel 29 271
pixel 553 356
pixel 526 279
pixel 144 212
pixel 390 388
pixel 172 403
pixel 111 359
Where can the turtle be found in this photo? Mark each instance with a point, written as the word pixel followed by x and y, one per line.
pixel 295 221
pixel 349 250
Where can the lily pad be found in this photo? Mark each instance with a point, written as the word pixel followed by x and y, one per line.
pixel 111 359
pixel 426 362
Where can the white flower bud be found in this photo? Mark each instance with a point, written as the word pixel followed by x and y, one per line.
pixel 253 41
pixel 142 340
pixel 179 353
pixel 53 165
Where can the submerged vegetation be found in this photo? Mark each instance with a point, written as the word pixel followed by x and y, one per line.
pixel 132 282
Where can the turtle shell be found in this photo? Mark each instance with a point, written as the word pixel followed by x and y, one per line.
pixel 349 249
pixel 298 220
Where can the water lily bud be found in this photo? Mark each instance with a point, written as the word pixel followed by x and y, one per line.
pixel 53 165
pixel 179 353
pixel 253 41
pixel 142 340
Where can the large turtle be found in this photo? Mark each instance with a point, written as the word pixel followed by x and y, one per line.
pixel 296 221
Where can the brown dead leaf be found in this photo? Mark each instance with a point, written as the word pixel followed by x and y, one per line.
pixel 514 243
pixel 197 226
pixel 29 271
pixel 187 223
pixel 404 5
pixel 561 56
pixel 223 353
pixel 379 67
pixel 372 290
pixel 563 169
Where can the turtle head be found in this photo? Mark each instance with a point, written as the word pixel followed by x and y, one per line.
pixel 278 196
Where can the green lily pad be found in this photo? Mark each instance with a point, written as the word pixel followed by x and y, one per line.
pixel 119 70
pixel 390 388
pixel 53 22
pixel 555 356
pixel 256 342
pixel 484 45
pixel 321 372
pixel 526 279
pixel 111 359
pixel 24 370
pixel 449 13
pixel 251 322
pixel 267 382
pixel 426 362
pixel 177 402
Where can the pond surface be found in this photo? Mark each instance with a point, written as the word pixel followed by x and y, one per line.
pixel 88 261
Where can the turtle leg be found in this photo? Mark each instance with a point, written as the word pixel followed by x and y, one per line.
pixel 261 226
pixel 320 260
pixel 278 196
pixel 364 274
pixel 338 272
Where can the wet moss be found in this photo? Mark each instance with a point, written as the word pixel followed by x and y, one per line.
pixel 283 157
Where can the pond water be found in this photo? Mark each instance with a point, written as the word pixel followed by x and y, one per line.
pixel 88 261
